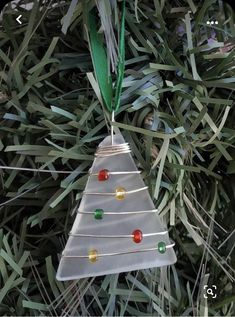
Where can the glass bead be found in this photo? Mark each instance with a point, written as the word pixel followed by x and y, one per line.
pixel 98 214
pixel 137 236
pixel 161 247
pixel 120 193
pixel 103 175
pixel 93 256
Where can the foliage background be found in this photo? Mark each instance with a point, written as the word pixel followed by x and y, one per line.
pixel 176 112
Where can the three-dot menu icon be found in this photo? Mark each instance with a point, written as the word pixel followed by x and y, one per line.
pixel 212 22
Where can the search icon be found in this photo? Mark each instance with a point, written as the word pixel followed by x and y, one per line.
pixel 209 291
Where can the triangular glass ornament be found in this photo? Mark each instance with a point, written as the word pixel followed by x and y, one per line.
pixel 117 228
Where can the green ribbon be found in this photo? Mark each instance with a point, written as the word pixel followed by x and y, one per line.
pixel 99 59
pixel 121 62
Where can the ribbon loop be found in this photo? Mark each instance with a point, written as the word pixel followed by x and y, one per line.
pixel 100 64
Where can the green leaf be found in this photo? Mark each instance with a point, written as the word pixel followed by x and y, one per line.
pixel 12 277
pixel 164 149
pixel 34 305
pixel 11 262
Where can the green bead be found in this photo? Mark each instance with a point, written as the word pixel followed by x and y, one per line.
pixel 99 214
pixel 161 247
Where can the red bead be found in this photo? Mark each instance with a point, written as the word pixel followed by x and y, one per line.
pixel 103 175
pixel 137 236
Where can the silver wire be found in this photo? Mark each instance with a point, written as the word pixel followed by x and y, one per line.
pixel 121 212
pixel 113 149
pixel 114 194
pixel 117 253
pixel 116 236
pixel 110 150
pixel 118 173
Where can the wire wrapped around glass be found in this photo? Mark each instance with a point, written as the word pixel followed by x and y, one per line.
pixel 117 227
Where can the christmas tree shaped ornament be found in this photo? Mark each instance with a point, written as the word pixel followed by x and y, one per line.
pixel 117 227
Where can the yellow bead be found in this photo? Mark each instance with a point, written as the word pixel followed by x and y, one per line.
pixel 93 256
pixel 120 193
